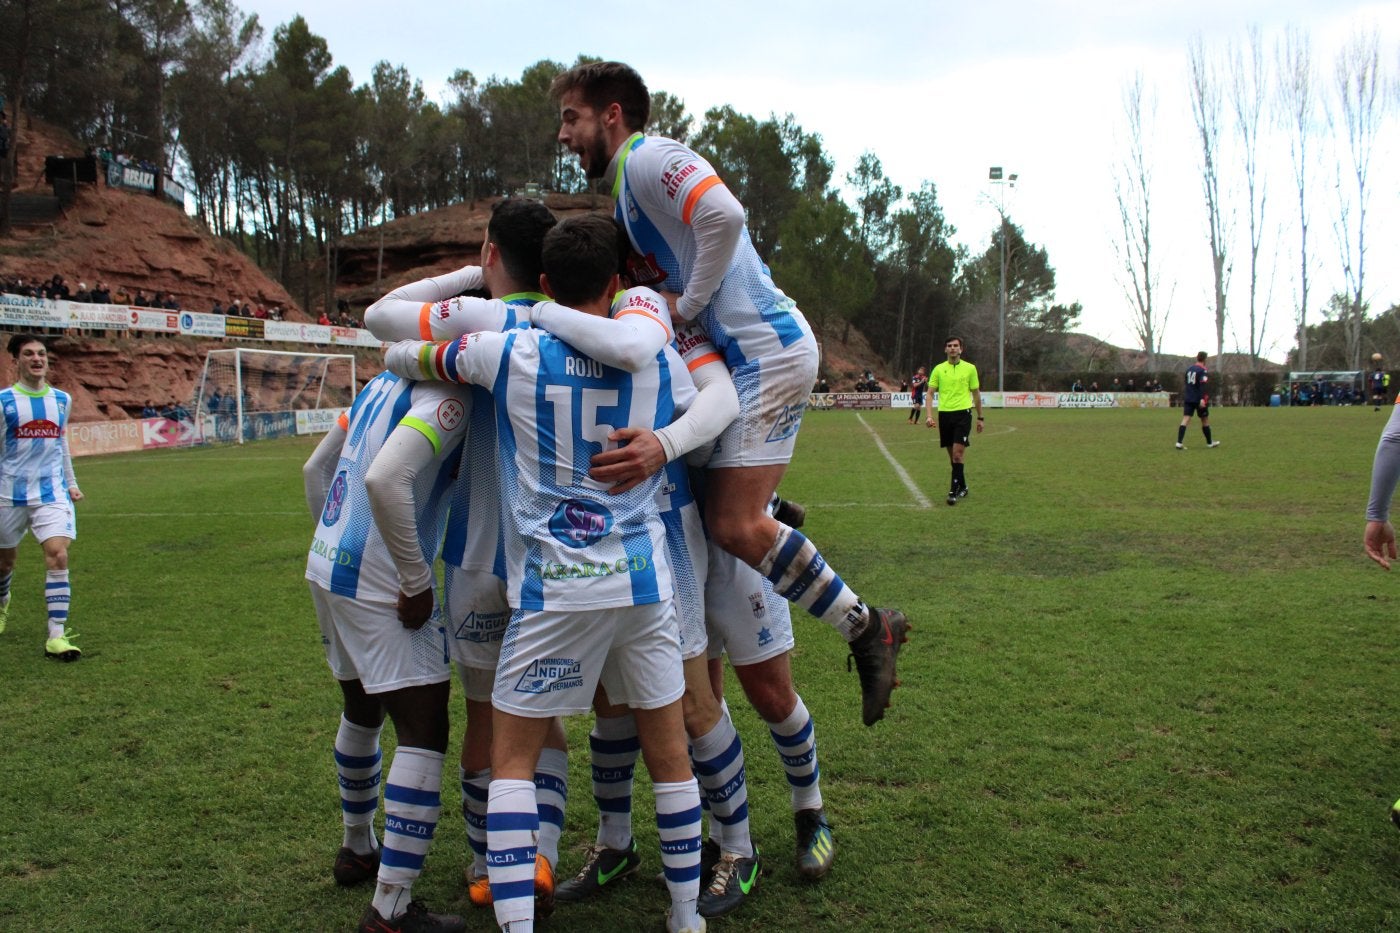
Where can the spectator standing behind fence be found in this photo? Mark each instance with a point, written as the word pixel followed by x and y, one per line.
pixel 1195 400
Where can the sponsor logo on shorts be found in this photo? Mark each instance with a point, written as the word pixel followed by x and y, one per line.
pixel 481 627
pixel 549 674
pixel 335 499
pixel 756 604
pixel 765 636
pixel 789 420
pixel 578 523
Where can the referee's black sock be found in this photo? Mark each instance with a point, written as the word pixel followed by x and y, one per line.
pixel 1180 433
pixel 958 481
pixel 1206 431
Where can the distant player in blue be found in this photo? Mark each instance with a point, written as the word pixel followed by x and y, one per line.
pixel 1195 400
pixel 37 486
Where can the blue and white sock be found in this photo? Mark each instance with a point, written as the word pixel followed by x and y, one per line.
pixel 476 786
pixel 796 740
pixel 58 594
pixel 678 824
pixel 512 825
pixel 551 796
pixel 5 580
pixel 613 750
pixel 412 805
pixel 718 760
pixel 358 765
pixel 801 575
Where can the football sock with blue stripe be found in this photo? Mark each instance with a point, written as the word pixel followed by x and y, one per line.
pixel 796 741
pixel 613 750
pixel 359 767
pixel 678 823
pixel 476 787
pixel 512 823
pixel 801 575
pixel 412 805
pixel 551 795
pixel 58 594
pixel 718 761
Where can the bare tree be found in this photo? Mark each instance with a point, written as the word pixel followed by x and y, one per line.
pixel 1132 186
pixel 1298 112
pixel 1249 98
pixel 1356 118
pixel 1205 109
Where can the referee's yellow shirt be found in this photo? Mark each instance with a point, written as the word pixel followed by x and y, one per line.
pixel 954 385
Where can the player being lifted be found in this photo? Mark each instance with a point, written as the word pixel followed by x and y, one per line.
pixel 689 237
pixel 37 487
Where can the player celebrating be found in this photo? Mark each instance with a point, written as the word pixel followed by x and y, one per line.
pixel 1195 399
pixel 688 233
pixel 371 578
pixel 37 487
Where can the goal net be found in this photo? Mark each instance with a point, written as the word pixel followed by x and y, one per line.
pixel 246 394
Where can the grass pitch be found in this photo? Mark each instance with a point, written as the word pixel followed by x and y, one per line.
pixel 1146 689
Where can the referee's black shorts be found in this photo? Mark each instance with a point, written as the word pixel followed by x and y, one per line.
pixel 955 427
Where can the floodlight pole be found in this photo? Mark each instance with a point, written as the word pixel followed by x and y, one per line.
pixel 994 175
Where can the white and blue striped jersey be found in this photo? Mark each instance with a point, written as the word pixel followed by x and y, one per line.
pixel 348 555
pixel 36 467
pixel 574 545
pixel 659 181
pixel 475 538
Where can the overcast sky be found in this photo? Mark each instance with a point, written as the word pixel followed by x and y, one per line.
pixel 941 91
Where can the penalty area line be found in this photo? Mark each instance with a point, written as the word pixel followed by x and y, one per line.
pixel 904 477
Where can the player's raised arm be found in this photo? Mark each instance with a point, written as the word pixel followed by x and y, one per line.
pixel 434 309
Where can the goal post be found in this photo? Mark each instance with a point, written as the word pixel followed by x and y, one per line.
pixel 247 394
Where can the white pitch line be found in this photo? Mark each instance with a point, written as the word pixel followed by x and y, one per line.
pixel 91 515
pixel 903 475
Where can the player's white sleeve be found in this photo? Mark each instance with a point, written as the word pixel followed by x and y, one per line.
pixel 716 405
pixel 319 470
pixel 718 222
pixel 1385 470
pixel 405 313
pixel 389 484
pixel 70 478
pixel 629 339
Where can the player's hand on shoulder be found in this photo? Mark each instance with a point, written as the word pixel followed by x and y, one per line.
pixel 640 455
pixel 415 610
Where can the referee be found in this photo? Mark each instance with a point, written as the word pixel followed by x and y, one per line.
pixel 954 383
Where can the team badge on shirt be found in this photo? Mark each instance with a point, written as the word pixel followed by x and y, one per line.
pixel 577 523
pixel 335 499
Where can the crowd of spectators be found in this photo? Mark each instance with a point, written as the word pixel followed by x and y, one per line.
pixel 57 288
pixel 1322 392
pixel 1147 385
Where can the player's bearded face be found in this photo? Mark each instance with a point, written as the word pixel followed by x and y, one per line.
pixel 581 131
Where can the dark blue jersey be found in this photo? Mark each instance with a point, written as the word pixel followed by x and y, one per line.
pixel 1196 380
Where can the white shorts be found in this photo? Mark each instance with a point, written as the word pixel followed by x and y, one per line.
pixel 746 619
pixel 773 393
pixel 50 520
pixel 553 660
pixel 366 642
pixel 476 617
pixel 689 554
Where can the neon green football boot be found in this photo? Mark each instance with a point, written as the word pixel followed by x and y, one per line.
pixel 4 613
pixel 62 648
